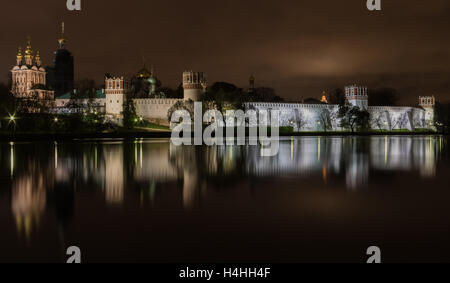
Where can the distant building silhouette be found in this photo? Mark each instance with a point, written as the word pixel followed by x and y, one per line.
pixel 60 76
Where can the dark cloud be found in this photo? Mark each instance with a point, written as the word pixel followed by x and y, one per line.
pixel 298 47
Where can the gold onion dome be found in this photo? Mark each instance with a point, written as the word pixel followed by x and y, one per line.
pixel 324 97
pixel 19 53
pixel 29 50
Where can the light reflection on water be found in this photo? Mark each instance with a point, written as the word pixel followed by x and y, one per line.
pixel 49 180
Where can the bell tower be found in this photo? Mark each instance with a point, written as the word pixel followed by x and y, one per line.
pixel 194 84
pixel 357 96
pixel 115 89
pixel 428 103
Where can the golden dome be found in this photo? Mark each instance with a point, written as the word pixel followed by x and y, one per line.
pixel 38 58
pixel 29 50
pixel 19 53
pixel 324 97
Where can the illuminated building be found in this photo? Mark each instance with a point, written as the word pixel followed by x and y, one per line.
pixel 29 77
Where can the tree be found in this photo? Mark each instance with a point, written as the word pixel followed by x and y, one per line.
pixel 8 106
pixel 378 120
pixel 353 118
pixel 325 120
pixel 225 96
pixel 130 117
pixel 181 105
pixel 442 117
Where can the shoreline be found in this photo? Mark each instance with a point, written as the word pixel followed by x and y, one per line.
pixel 24 137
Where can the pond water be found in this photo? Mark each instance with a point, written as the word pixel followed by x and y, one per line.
pixel 321 199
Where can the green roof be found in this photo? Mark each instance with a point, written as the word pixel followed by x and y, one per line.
pixel 99 94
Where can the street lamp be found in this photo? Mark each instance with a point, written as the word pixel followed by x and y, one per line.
pixel 12 119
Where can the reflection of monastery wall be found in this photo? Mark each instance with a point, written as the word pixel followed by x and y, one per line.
pixel 306 156
pixel 114 173
pixel 153 162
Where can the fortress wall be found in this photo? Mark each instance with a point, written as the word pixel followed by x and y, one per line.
pixel 154 109
pixel 313 117
pixel 396 118
pixel 302 117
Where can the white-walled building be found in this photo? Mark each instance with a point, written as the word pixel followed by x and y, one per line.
pixel 28 77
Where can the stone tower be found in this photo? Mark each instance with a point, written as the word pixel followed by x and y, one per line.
pixel 115 89
pixel 428 102
pixel 194 85
pixel 357 96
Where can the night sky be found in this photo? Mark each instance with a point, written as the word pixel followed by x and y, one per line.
pixel 300 48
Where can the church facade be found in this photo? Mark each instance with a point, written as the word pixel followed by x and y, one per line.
pixel 28 77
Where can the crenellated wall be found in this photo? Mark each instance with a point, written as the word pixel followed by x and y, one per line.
pixel 154 109
pixel 324 117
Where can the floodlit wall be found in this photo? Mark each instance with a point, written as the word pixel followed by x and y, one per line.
pixel 324 117
pixel 154 109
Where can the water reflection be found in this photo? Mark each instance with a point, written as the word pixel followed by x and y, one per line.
pixel 48 176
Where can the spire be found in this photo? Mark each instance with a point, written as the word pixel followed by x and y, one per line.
pixel 62 40
pixel 29 53
pixel 38 59
pixel 252 83
pixel 19 56
pixel 29 50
